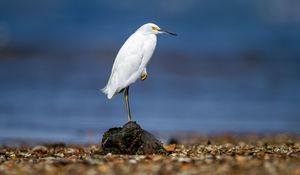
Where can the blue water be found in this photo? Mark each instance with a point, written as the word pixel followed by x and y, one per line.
pixel 234 67
pixel 59 99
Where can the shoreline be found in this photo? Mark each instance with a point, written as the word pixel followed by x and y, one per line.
pixel 220 154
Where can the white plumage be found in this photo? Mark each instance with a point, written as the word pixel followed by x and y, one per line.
pixel 132 59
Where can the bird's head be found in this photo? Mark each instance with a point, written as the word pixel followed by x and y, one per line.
pixel 151 28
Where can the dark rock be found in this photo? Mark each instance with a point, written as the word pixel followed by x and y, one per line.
pixel 173 140
pixel 55 145
pixel 208 142
pixel 130 139
pixel 62 162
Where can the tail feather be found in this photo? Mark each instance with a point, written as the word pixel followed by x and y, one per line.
pixel 108 92
pixel 104 90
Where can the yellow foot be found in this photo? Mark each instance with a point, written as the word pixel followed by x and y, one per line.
pixel 144 77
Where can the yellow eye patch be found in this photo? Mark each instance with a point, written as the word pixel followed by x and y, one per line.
pixel 156 28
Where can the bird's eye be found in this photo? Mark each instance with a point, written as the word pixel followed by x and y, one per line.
pixel 155 28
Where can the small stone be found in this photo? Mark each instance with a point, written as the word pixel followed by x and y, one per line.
pixel 173 154
pixel 59 155
pixel 173 140
pixel 184 159
pixel 109 154
pixel 49 159
pixel 241 159
pixel 39 149
pixel 26 155
pixel 70 151
pixel 141 157
pixel 157 158
pixel 62 162
pixel 170 148
pixel 12 156
pixel 132 161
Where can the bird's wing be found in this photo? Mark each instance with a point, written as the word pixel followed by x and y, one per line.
pixel 148 49
pixel 126 65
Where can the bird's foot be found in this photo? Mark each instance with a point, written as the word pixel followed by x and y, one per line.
pixel 144 76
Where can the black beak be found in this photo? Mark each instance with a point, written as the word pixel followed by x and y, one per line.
pixel 170 33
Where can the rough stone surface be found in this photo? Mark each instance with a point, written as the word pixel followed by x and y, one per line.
pixel 130 139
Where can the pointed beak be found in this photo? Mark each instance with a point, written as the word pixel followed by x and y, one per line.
pixel 167 32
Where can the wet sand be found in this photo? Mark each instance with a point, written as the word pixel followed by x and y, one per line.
pixel 193 154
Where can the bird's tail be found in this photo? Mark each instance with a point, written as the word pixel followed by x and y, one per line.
pixel 106 91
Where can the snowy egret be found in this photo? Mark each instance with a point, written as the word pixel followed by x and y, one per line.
pixel 131 61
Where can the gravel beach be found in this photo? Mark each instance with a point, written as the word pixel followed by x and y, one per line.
pixel 221 154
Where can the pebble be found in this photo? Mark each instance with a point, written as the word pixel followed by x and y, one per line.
pixel 59 155
pixel 240 155
pixel 26 155
pixel 70 151
pixel 132 161
pixel 184 159
pixel 170 148
pixel 39 149
pixel 109 154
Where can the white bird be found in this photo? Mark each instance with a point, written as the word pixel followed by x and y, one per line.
pixel 131 61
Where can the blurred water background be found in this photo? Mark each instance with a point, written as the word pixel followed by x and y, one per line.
pixel 234 67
